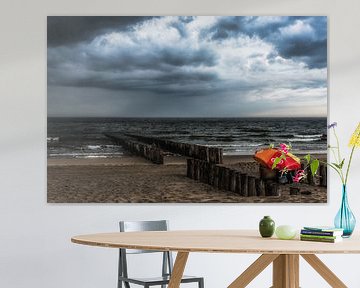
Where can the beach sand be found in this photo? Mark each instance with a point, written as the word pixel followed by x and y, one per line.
pixel 132 179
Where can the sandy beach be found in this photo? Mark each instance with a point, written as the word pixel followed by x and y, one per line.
pixel 131 179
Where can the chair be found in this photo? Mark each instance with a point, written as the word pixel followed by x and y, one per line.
pixel 167 262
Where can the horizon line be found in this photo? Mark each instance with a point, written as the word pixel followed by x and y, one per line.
pixel 185 117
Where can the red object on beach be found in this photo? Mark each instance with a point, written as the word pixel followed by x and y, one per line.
pixel 266 157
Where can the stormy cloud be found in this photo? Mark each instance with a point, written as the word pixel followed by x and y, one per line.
pixel 187 66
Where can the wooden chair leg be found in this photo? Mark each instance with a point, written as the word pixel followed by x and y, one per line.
pixel 324 271
pixel 253 270
pixel 178 269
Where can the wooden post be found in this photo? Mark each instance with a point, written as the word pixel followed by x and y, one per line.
pixel 238 182
pixel 205 172
pixel 244 185
pixel 207 154
pixel 201 171
pixel 272 189
pixel 190 168
pixel 232 184
pixel 211 156
pixel 227 179
pixel 251 186
pixel 310 178
pixel 294 190
pixel 191 150
pixel 260 187
pixel 220 155
pixel 211 174
pixel 323 175
pixel 196 169
pixel 216 176
pixel 222 178
pixel 196 151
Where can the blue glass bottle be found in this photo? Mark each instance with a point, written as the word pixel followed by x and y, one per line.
pixel 345 219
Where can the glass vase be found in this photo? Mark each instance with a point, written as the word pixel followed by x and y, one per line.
pixel 345 219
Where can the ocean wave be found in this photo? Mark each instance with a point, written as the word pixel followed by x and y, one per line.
pixel 258 130
pixel 236 145
pixel 304 139
pixel 309 136
pixel 94 147
pixel 95 156
pixel 52 139
pixel 97 147
pixel 224 138
pixel 86 155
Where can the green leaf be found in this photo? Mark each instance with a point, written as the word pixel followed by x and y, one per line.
pixel 336 165
pixel 339 166
pixel 307 158
pixel 271 145
pixel 314 165
pixel 276 162
pixel 342 163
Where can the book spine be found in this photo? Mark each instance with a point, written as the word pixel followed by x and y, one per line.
pixel 319 233
pixel 318 236
pixel 317 239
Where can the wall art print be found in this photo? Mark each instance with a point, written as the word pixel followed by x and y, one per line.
pixel 186 109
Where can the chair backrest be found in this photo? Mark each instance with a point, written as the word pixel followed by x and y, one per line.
pixel 137 226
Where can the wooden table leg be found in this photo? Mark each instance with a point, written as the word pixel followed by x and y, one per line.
pixel 324 271
pixel 178 270
pixel 286 271
pixel 253 270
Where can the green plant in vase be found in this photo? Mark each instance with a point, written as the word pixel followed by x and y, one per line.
pixel 344 219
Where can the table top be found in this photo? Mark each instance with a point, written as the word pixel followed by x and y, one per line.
pixel 216 241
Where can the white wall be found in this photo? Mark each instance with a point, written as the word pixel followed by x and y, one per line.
pixel 35 248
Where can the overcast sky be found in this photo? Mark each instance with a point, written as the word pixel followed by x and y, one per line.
pixel 187 66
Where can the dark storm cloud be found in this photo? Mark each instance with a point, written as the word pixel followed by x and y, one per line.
pixel 64 30
pixel 308 45
pixel 174 84
pixel 190 61
pixel 159 59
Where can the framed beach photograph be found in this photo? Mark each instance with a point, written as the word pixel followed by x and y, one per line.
pixel 187 109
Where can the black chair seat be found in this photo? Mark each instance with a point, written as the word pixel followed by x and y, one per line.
pixel 158 280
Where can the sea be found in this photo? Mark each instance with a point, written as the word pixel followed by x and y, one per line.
pixel 84 137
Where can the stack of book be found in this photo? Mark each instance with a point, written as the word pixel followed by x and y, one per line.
pixel 321 234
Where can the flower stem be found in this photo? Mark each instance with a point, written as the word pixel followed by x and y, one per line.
pixel 338 145
pixel 339 156
pixel 348 167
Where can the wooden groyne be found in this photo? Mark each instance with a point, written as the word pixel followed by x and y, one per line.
pixel 229 179
pixel 225 178
pixel 150 152
pixel 205 153
pixel 320 179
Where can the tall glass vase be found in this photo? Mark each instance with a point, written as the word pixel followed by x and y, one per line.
pixel 345 219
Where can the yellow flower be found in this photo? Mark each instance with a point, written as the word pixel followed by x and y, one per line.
pixel 355 138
